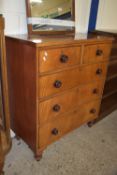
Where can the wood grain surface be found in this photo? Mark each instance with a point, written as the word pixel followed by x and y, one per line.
pixel 70 78
pixel 52 59
pixel 74 98
pixel 67 122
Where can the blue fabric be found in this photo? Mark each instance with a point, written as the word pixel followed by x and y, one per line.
pixel 93 15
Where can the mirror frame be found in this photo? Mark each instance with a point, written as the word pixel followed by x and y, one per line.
pixel 55 32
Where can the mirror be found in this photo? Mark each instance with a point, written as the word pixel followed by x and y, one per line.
pixel 48 17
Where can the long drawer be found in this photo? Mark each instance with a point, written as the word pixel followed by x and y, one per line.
pixel 52 59
pixel 51 109
pixel 55 129
pixel 96 53
pixel 58 82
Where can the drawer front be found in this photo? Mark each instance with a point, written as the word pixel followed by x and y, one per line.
pixel 52 108
pixel 96 53
pixel 58 82
pixel 58 58
pixel 67 122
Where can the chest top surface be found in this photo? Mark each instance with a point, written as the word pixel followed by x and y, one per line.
pixel 53 40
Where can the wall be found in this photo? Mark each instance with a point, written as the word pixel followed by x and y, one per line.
pixel 15 15
pixel 107 15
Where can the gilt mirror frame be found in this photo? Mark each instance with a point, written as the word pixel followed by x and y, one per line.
pixel 45 32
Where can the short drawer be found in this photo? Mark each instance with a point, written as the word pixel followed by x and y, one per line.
pixel 58 82
pixel 52 59
pixel 67 122
pixel 96 53
pixel 51 109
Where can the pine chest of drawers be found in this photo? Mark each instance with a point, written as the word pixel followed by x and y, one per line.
pixel 55 85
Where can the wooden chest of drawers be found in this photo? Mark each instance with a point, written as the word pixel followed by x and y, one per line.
pixel 55 85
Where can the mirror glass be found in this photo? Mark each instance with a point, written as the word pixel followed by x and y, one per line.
pixel 48 15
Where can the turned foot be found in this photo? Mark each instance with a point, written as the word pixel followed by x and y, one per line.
pixel 2 173
pixel 38 157
pixel 1 168
pixel 91 123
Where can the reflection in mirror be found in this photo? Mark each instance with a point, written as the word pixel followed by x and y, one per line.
pixel 48 15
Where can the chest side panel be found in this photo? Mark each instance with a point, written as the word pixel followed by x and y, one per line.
pixel 21 65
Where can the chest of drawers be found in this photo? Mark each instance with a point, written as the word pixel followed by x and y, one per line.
pixel 55 85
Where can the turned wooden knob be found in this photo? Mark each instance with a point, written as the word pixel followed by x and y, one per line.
pixel 56 108
pixel 95 91
pixel 99 71
pixel 93 111
pixel 99 52
pixel 57 84
pixel 55 131
pixel 64 58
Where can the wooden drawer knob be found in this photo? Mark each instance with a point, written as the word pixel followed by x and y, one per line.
pixel 55 131
pixel 64 58
pixel 93 111
pixel 56 108
pixel 99 52
pixel 99 71
pixel 57 84
pixel 95 91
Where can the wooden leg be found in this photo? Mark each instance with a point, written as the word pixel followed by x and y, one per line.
pixel 2 173
pixel 1 168
pixel 91 123
pixel 39 155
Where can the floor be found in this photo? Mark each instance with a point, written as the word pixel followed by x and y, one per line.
pixel 85 151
